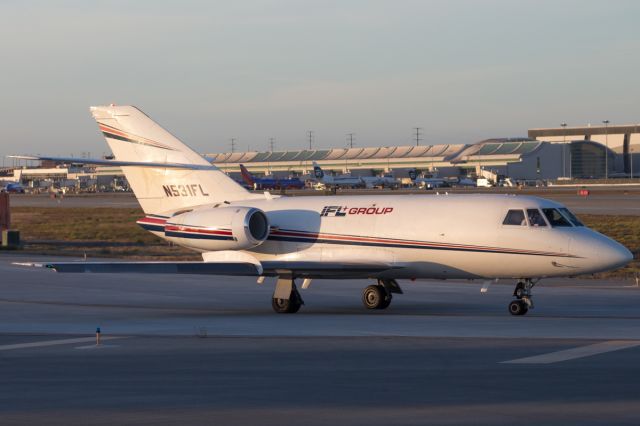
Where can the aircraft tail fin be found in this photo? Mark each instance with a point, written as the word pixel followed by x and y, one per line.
pixel 134 137
pixel 247 177
pixel 317 171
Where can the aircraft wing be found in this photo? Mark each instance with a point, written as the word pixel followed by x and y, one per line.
pixel 200 268
pixel 312 269
pixel 101 162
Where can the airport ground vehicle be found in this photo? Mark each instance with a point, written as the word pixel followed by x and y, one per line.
pixel 483 183
pixel 191 203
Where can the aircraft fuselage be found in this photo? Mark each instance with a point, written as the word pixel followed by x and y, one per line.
pixel 439 236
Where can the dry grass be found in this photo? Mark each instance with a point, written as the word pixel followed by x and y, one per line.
pixel 115 231
pixel 81 224
pixel 625 230
pixel 115 226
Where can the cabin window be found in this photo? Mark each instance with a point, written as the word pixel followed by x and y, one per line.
pixel 555 218
pixel 535 218
pixel 515 217
pixel 572 218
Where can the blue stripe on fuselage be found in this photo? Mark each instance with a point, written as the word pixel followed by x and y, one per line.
pixel 313 240
pixel 150 227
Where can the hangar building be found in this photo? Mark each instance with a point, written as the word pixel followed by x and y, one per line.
pixel 587 146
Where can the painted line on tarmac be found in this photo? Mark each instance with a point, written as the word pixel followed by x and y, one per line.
pixel 575 353
pixel 55 342
pixel 94 346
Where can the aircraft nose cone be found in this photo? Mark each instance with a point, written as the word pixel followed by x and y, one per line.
pixel 615 255
pixel 598 253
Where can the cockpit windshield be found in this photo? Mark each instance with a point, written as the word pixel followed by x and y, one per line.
pixel 561 217
pixel 535 218
pixel 572 218
pixel 555 218
pixel 515 217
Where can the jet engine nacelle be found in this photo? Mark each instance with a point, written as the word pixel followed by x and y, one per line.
pixel 221 228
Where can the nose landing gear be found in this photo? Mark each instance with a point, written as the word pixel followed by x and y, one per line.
pixel 523 296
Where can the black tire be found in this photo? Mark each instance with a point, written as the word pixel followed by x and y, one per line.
pixel 295 302
pixel 373 297
pixel 291 306
pixel 294 307
pixel 518 307
pixel 283 306
pixel 385 302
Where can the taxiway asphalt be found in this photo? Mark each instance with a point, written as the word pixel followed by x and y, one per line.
pixel 602 200
pixel 204 350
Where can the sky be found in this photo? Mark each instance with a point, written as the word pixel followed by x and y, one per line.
pixel 209 71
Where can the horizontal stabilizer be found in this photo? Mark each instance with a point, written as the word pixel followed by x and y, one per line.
pixel 116 163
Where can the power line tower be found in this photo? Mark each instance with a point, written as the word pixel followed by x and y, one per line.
pixel 418 138
pixel 310 134
pixel 350 139
pixel 606 142
pixel 272 142
pixel 233 144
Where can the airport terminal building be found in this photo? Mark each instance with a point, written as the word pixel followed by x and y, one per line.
pixel 447 160
pixel 552 153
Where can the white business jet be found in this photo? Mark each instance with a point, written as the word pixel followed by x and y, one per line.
pixel 191 203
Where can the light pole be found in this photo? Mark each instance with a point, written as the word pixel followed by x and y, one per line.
pixel 272 143
pixel 564 149
pixel 310 135
pixel 631 152
pixel 350 137
pixel 418 138
pixel 606 154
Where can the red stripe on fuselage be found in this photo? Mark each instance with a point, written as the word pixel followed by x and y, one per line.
pixel 408 243
pixel 176 228
pixel 153 220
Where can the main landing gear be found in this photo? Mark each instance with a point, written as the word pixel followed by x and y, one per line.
pixel 523 296
pixel 286 299
pixel 379 296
